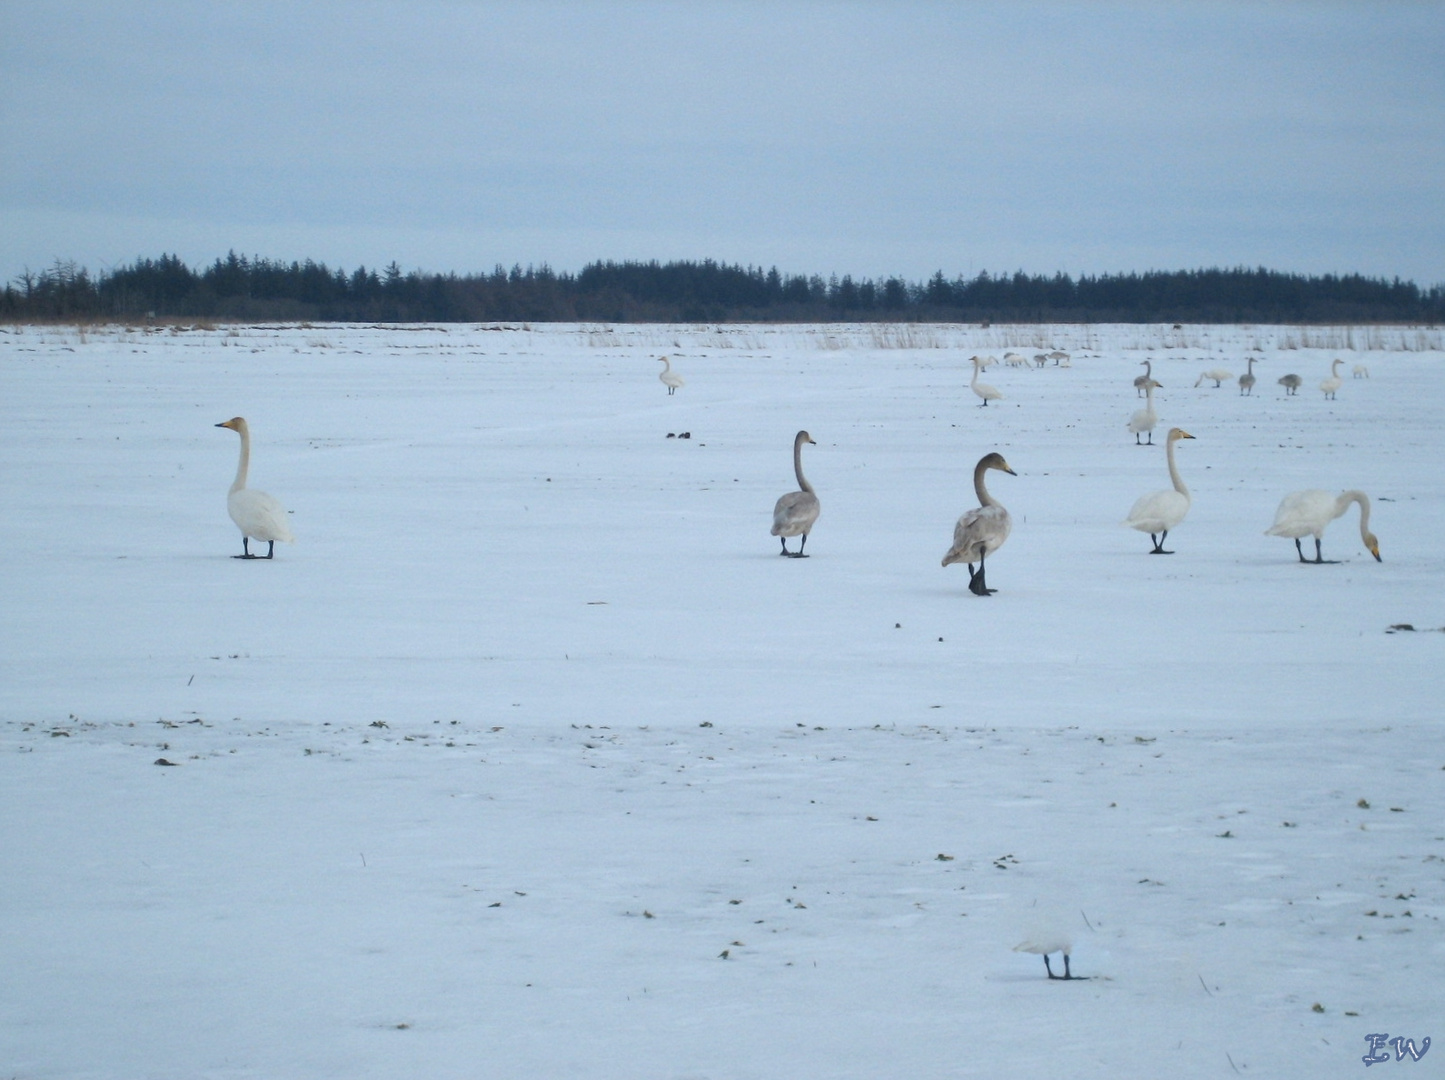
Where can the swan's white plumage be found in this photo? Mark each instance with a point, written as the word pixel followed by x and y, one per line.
pixel 1160 511
pixel 795 512
pixel 1334 382
pixel 1144 419
pixel 258 515
pixel 1307 513
pixel 669 378
pixel 1360 371
pixel 1218 374
pixel 983 390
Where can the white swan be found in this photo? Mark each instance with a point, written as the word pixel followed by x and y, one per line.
pixel 1218 374
pixel 1359 371
pixel 255 513
pixel 1291 383
pixel 1162 510
pixel 1145 419
pixel 796 511
pixel 669 378
pixel 1306 513
pixel 1141 380
pixel 1334 382
pixel 1045 943
pixel 981 530
pixel 983 390
pixel 1246 381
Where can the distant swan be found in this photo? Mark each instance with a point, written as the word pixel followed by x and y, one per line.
pixel 670 379
pixel 1306 513
pixel 1141 380
pixel 1218 374
pixel 983 390
pixel 1162 510
pixel 981 530
pixel 1359 371
pixel 1291 383
pixel 1145 419
pixel 1334 382
pixel 255 513
pixel 1043 944
pixel 796 511
pixel 1246 381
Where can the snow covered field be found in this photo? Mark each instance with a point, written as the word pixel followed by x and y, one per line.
pixel 531 758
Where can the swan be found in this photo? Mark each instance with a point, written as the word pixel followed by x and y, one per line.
pixel 1162 510
pixel 982 529
pixel 1306 513
pixel 255 513
pixel 1359 371
pixel 1291 383
pixel 1246 381
pixel 983 390
pixel 1334 382
pixel 1145 418
pixel 1218 374
pixel 1140 380
pixel 796 511
pixel 669 378
pixel 1060 358
pixel 1043 944
pixel 1013 359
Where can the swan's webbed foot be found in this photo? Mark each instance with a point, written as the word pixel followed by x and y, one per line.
pixel 976 584
pixel 248 555
pixel 1159 544
pixel 1067 975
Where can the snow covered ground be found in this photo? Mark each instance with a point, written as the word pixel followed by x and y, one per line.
pixel 531 758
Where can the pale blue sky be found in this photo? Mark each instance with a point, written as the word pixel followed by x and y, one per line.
pixel 830 137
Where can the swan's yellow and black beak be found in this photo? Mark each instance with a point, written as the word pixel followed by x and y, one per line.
pixel 1375 551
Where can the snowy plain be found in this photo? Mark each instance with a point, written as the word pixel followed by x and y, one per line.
pixel 531 758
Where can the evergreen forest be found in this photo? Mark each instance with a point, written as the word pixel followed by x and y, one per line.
pixel 238 288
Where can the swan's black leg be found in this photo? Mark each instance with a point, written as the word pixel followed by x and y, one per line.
pixel 784 541
pixel 1067 973
pixel 976 583
pixel 1151 439
pixel 801 545
pixel 271 548
pixel 1159 543
pixel 245 548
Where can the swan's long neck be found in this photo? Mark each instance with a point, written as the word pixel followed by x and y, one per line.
pixel 798 464
pixel 1250 362
pixel 1174 469
pixel 973 382
pixel 244 465
pixel 1335 368
pixel 1343 503
pixel 666 365
pixel 1149 394
pixel 984 498
pixel 1148 370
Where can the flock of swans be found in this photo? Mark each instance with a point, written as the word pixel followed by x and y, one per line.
pixel 979 532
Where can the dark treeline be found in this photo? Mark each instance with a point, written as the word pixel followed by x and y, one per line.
pixel 251 289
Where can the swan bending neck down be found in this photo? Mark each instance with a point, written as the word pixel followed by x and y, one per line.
pixel 669 378
pixel 1306 513
pixel 1160 511
pixel 1144 419
pixel 255 513
pixel 981 530
pixel 796 511
pixel 1043 944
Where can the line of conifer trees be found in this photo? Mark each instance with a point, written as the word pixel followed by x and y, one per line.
pixel 254 289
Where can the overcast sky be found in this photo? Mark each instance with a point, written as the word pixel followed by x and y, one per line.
pixel 831 137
